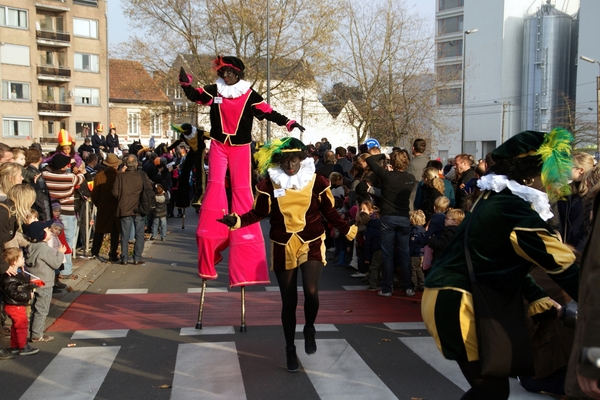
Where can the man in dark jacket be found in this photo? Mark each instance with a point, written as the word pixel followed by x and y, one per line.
pixel 33 158
pixel 464 173
pixel 106 203
pixel 112 139
pixel 127 189
pixel 98 140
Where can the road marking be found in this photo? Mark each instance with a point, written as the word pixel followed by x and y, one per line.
pixel 207 371
pixel 338 372
pixel 208 290
pixel 356 287
pixel 207 330
pixel 319 328
pixel 425 348
pixel 127 291
pixel 405 326
pixel 101 334
pixel 75 373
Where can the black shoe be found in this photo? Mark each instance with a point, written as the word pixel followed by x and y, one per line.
pixel 56 290
pixel 101 259
pixel 28 350
pixel 5 355
pixel 310 345
pixel 59 284
pixel 292 359
pixel 115 259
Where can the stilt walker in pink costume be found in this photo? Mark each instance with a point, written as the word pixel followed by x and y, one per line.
pixel 233 106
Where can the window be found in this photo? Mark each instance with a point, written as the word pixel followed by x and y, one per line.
pixel 87 96
pixel 13 17
pixel 133 123
pixel 450 24
pixel 14 54
pixel 451 48
pixel 448 4
pixel 50 22
pixel 447 73
pixel 50 58
pixel 53 94
pixel 448 96
pixel 15 91
pixel 178 93
pixel 17 127
pixel 156 125
pixel 85 28
pixel 83 129
pixel 86 62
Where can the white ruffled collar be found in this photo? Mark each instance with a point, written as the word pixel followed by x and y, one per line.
pixel 538 199
pixel 232 91
pixel 298 181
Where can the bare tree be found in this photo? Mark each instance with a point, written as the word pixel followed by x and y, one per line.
pixel 301 34
pixel 388 54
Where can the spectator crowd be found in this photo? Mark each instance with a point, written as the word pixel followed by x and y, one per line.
pixel 407 207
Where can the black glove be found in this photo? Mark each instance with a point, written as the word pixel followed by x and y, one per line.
pixel 297 125
pixel 183 76
pixel 229 220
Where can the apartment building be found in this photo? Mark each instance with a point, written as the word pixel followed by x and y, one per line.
pixel 53 67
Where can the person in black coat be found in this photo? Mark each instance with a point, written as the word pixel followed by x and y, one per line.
pixel 112 139
pixel 98 140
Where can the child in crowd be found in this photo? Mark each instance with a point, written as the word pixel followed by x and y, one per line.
pixel 57 240
pixel 32 216
pixel 19 156
pixel 372 246
pixel 43 262
pixel 368 207
pixel 418 239
pixel 437 222
pixel 439 241
pixel 17 293
pixel 160 213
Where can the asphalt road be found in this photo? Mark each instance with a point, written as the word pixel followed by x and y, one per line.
pixel 127 332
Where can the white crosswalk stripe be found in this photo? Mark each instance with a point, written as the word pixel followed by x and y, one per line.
pixel 75 373
pixel 208 371
pixel 338 372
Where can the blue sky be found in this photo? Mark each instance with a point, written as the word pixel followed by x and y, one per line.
pixel 119 29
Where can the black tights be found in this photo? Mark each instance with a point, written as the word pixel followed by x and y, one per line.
pixel 483 387
pixel 288 286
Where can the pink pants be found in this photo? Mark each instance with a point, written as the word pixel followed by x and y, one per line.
pixel 247 257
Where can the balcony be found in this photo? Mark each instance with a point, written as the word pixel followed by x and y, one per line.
pixel 52 73
pixel 91 3
pixel 56 109
pixel 53 38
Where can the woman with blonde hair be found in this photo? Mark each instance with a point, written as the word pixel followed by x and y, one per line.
pixel 571 209
pixel 433 188
pixel 10 175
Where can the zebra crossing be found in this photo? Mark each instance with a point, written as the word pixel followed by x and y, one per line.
pixel 218 363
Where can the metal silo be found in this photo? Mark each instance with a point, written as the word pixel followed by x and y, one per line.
pixel 547 68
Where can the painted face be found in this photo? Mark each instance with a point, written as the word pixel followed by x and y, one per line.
pixel 291 166
pixel 229 76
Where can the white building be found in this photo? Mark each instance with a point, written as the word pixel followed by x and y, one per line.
pixel 492 34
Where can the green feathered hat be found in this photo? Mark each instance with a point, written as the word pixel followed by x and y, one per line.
pixel 265 155
pixel 554 149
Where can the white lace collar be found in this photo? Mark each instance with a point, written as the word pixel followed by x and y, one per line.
pixel 192 134
pixel 298 181
pixel 232 91
pixel 538 199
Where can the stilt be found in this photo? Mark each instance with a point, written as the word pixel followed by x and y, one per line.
pixel 183 219
pixel 200 309
pixel 243 327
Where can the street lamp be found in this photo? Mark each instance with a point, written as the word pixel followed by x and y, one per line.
pixel 464 54
pixel 591 60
